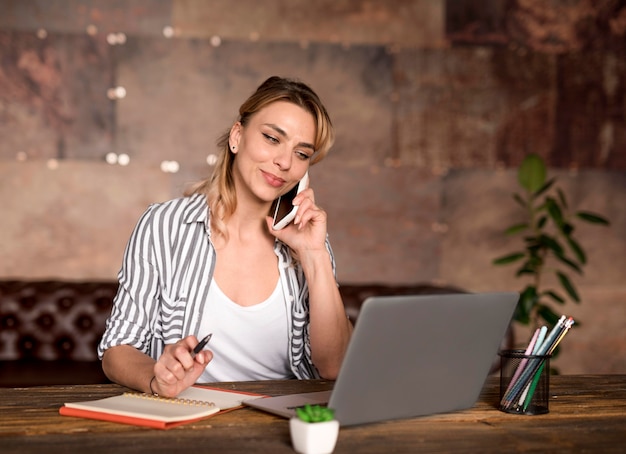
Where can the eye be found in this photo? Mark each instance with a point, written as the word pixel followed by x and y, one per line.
pixel 302 155
pixel 270 138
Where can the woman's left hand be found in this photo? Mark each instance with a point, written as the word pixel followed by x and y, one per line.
pixel 308 230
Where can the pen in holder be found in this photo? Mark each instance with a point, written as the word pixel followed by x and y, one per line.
pixel 524 382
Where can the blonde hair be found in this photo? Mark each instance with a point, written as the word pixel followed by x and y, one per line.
pixel 220 187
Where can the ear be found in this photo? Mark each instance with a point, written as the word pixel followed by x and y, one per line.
pixel 234 137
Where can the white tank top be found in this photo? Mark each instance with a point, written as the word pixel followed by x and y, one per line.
pixel 248 343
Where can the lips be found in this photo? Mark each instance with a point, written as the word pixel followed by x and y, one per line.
pixel 273 180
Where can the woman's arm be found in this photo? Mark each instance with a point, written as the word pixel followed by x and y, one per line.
pixel 129 335
pixel 329 328
pixel 129 367
pixel 175 371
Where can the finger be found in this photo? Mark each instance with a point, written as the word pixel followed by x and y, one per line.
pixel 305 194
pixel 177 359
pixel 203 358
pixel 311 215
pixel 306 205
pixel 164 375
pixel 182 353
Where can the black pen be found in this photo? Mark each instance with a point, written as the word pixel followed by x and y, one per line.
pixel 201 345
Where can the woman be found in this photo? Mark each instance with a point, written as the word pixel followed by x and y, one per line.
pixel 211 263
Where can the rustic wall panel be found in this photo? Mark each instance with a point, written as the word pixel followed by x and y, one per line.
pixel 470 107
pixel 80 16
pixel 182 94
pixel 591 116
pixel 53 96
pixel 416 23
pixel 71 220
pixel 383 221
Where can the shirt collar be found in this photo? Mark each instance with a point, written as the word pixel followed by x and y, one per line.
pixel 197 209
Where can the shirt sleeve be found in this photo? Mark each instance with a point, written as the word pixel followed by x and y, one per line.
pixel 134 313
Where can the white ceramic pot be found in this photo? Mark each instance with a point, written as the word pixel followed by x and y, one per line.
pixel 313 438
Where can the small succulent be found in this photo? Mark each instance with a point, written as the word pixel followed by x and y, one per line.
pixel 315 413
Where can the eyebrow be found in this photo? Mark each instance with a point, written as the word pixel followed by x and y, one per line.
pixel 282 132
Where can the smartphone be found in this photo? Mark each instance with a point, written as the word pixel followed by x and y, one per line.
pixel 283 211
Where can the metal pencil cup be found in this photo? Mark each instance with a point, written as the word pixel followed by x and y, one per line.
pixel 524 383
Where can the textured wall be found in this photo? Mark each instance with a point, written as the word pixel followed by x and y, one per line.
pixel 435 102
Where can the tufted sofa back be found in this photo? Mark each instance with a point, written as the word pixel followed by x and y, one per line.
pixel 56 320
pixel 52 320
pixel 49 330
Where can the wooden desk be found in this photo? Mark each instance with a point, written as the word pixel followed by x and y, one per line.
pixel 587 413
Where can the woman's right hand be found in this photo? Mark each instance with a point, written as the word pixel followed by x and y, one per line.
pixel 176 370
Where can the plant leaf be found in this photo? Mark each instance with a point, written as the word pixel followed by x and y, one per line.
pixel 569 263
pixel 551 243
pixel 509 258
pixel 577 250
pixel 544 188
pixel 567 285
pixel 555 296
pixel 516 229
pixel 554 211
pixel 562 198
pixel 592 217
pixel 547 314
pixel 518 198
pixel 303 414
pixel 532 173
pixel 524 270
pixel 567 229
pixel 527 300
pixel 542 222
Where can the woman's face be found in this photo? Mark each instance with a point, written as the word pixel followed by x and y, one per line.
pixel 273 151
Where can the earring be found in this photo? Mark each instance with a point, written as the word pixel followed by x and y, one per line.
pixel 233 148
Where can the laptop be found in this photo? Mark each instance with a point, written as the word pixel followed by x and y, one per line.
pixel 411 356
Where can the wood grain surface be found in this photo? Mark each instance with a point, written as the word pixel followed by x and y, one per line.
pixel 587 414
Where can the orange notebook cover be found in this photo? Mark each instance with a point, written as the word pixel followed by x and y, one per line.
pixel 139 409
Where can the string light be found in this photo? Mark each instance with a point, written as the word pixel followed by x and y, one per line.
pixel 119 92
pixel 116 38
pixel 170 166
pixel 216 41
pixel 123 159
pixel 113 158
pixel 211 159
pixel 116 93
pixel 168 31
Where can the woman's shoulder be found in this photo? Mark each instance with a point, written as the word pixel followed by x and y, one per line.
pixel 186 209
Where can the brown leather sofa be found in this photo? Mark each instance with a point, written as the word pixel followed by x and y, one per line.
pixel 49 330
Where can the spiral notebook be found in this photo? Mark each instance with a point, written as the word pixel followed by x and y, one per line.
pixel 139 409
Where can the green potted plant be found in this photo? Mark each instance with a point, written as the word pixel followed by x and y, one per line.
pixel 314 429
pixel 549 245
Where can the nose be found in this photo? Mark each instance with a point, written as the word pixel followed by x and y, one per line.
pixel 283 158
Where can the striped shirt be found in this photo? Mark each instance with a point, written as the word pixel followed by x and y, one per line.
pixel 164 284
